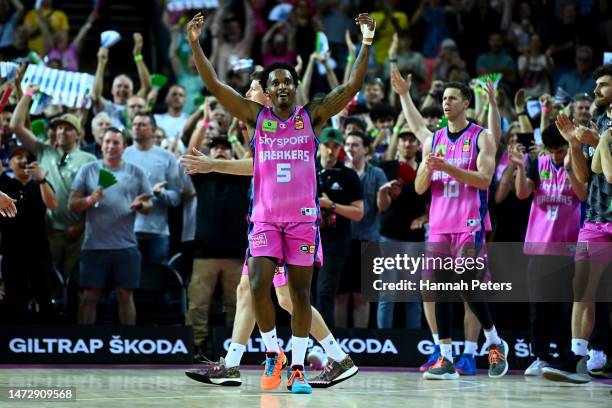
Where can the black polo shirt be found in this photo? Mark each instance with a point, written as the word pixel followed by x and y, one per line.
pixel 221 215
pixel 342 186
pixel 408 205
pixel 26 231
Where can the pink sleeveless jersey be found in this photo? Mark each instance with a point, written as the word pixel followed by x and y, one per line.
pixel 284 173
pixel 455 206
pixel 555 212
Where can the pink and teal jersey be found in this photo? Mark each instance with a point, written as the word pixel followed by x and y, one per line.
pixel 284 168
pixel 457 207
pixel 554 220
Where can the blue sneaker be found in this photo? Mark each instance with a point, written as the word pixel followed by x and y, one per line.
pixel 432 360
pixel 466 365
pixel 297 382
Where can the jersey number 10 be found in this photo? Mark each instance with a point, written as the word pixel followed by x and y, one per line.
pixel 451 189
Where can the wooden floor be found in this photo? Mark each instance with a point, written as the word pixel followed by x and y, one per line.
pixel 121 387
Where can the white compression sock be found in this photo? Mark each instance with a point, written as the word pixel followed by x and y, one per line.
pixel 492 336
pixel 579 347
pixel 470 347
pixel 447 351
pixel 234 355
pixel 298 350
pixel 270 340
pixel 436 339
pixel 332 348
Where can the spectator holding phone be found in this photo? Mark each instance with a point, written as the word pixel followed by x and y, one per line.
pixel 26 258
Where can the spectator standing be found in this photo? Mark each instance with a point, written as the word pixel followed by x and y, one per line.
pixel 64 228
pixel 173 121
pixel 9 21
pixel 405 219
pixel 161 169
pixel 110 251
pixel 99 124
pixel 220 241
pixel 580 79
pixel 341 202
pixel 496 60
pixel 535 68
pixel 123 87
pixel 55 19
pixel 367 229
pixel 27 267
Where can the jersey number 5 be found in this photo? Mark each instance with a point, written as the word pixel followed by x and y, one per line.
pixel 283 172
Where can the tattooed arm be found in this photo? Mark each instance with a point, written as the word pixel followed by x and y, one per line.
pixel 322 109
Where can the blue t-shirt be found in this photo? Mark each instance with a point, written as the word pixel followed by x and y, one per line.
pixel 111 224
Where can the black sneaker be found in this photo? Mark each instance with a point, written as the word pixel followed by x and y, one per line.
pixel 334 373
pixel 442 370
pixel 217 374
pixel 572 369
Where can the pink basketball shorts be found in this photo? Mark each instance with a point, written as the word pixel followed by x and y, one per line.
pixel 463 244
pixel 295 243
pixel 594 242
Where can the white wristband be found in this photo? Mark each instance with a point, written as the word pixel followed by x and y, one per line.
pixel 368 35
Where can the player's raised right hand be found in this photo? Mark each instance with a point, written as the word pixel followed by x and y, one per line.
pixel 194 28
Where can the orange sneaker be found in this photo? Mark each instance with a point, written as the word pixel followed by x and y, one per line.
pixel 274 364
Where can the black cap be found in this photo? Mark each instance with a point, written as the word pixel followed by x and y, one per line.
pixel 18 149
pixel 220 140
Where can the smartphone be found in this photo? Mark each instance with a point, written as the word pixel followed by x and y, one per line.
pixel 526 139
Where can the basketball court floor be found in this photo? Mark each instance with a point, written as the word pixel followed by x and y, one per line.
pixel 164 387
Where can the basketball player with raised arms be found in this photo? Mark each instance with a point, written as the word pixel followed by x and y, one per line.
pixel 227 371
pixel 466 365
pixel 285 211
pixel 458 165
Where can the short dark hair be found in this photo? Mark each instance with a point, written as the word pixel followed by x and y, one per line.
pixel 268 69
pixel 551 138
pixel 375 81
pixel 365 140
pixel 463 88
pixel 113 129
pixel 432 111
pixel 602 70
pixel 381 110
pixel 256 76
pixel 147 115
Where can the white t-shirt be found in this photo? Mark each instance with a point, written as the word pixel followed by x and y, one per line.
pixel 171 125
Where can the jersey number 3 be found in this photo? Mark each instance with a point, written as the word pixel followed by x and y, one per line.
pixel 283 172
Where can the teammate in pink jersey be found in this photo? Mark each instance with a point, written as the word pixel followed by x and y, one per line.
pixel 283 219
pixel 550 240
pixel 467 362
pixel 458 164
pixel 227 371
